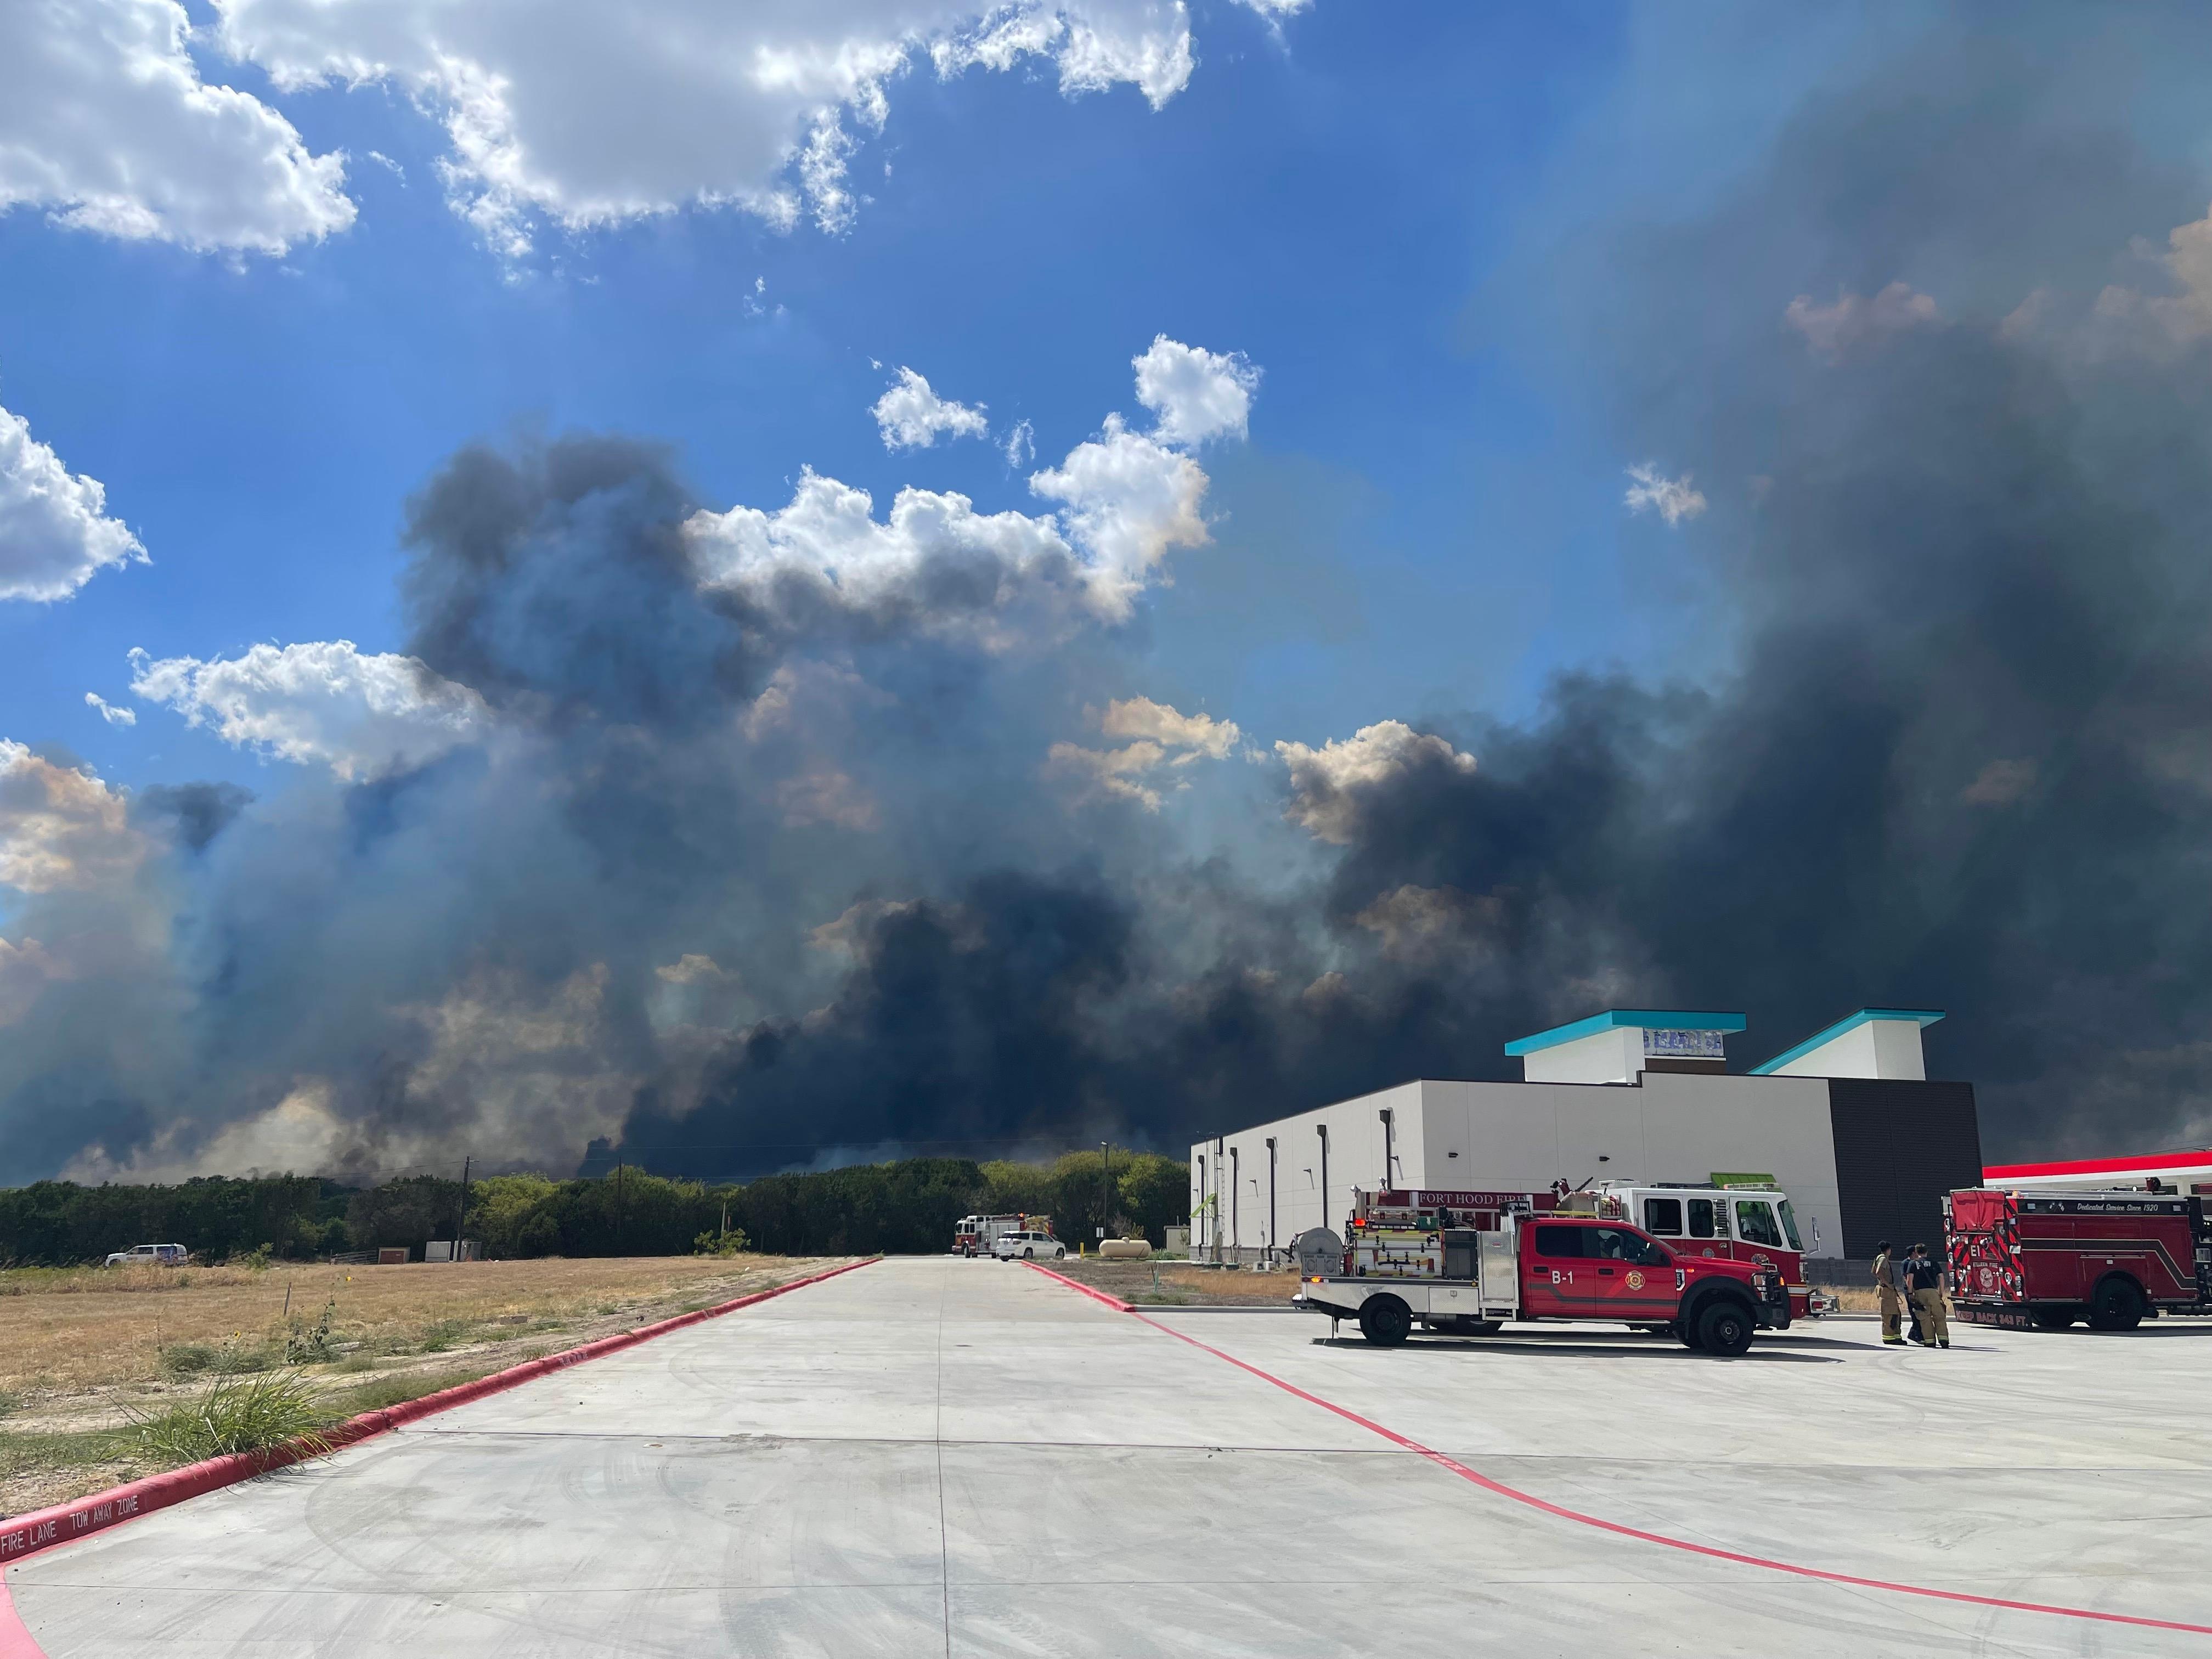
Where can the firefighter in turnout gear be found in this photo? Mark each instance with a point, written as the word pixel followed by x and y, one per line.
pixel 1890 1294
pixel 1924 1279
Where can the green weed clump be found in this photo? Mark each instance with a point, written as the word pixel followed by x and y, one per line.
pixel 725 1241
pixel 238 1415
pixel 306 1344
pixel 231 1358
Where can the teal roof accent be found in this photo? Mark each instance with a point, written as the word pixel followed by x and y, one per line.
pixel 1920 1017
pixel 1642 1019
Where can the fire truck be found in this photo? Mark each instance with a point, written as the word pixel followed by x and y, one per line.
pixel 2044 1257
pixel 974 1235
pixel 1465 1262
pixel 1752 1223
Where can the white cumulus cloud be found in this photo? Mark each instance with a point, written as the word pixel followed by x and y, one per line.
pixel 1329 785
pixel 1164 738
pixel 1126 499
pixel 583 114
pixel 1832 330
pixel 106 124
pixel 109 712
pixel 323 702
pixel 912 416
pixel 1197 394
pixel 60 828
pixel 1140 717
pixel 1650 490
pixel 55 533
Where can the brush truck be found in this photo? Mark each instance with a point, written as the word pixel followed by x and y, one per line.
pixel 1463 1263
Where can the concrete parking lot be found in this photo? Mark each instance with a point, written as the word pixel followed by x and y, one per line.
pixel 964 1457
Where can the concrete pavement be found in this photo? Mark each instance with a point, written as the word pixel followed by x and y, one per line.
pixel 935 1457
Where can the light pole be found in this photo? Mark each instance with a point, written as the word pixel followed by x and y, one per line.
pixel 1271 1201
pixel 1106 1198
pixel 1321 1129
pixel 1235 1227
pixel 1389 1147
pixel 1215 1231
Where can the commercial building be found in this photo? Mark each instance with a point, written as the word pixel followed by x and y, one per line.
pixel 1846 1121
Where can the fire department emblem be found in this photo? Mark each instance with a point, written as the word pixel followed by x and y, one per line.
pixel 1635 1281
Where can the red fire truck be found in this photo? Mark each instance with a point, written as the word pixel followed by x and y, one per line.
pixel 1752 1223
pixel 974 1235
pixel 2044 1257
pixel 1465 1262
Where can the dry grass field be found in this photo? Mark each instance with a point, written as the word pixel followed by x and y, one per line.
pixel 1179 1284
pixel 83 1349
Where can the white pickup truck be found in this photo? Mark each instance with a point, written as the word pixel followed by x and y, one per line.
pixel 161 1255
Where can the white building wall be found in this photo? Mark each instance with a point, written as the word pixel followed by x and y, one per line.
pixel 1615 1056
pixel 1879 1047
pixel 1673 1127
pixel 1523 1136
pixel 1355 1159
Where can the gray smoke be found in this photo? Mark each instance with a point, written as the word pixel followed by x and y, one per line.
pixel 744 869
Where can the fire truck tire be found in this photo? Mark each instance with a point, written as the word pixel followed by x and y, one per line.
pixel 2118 1305
pixel 1725 1327
pixel 1385 1321
pixel 1686 1331
pixel 2054 1319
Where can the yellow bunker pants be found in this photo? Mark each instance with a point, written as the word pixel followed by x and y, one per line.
pixel 1892 1315
pixel 1935 1323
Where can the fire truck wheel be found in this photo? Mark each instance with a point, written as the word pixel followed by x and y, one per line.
pixel 2116 1306
pixel 1725 1330
pixel 1686 1331
pixel 2054 1319
pixel 1385 1321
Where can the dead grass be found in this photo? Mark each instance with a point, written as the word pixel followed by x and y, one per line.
pixel 83 1349
pixel 1179 1284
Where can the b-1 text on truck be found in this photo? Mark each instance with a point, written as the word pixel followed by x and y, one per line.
pixel 1465 1262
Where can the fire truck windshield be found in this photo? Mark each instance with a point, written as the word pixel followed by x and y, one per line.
pixel 1789 1224
pixel 1754 1223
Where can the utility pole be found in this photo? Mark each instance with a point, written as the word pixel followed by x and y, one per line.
pixel 461 1221
pixel 619 1208
pixel 1106 1198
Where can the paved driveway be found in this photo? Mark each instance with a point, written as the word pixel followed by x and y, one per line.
pixel 935 1457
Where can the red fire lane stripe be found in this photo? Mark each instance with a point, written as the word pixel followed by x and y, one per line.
pixel 64 1524
pixel 1500 1489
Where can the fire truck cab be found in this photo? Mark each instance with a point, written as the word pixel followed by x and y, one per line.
pixel 1751 1223
pixel 1466 1262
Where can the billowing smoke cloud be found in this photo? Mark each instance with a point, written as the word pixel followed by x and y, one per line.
pixel 743 836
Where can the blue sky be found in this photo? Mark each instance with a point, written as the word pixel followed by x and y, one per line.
pixel 1341 201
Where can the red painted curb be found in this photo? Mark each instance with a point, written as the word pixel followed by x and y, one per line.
pixel 63 1523
pixel 1709 1552
pixel 1113 1302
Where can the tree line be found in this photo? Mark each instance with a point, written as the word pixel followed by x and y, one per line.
pixel 907 1207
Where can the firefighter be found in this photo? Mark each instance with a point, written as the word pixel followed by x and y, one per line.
pixel 1887 1292
pixel 1925 1279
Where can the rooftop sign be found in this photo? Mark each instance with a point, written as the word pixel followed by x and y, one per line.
pixel 1694 1028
